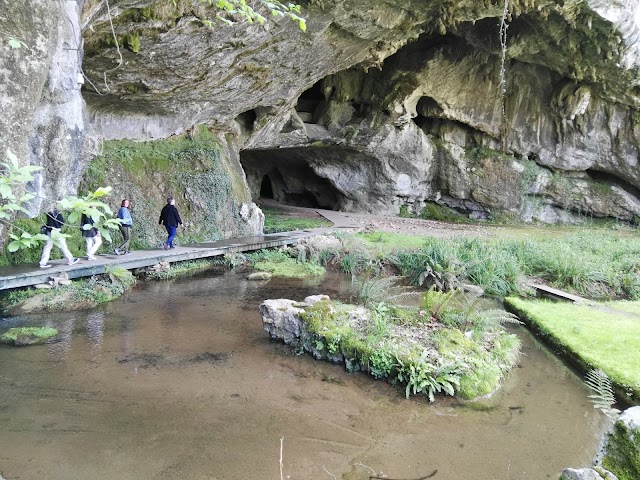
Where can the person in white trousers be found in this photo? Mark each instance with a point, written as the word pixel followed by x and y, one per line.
pixel 54 223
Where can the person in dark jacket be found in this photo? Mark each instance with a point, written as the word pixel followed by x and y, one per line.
pixel 170 218
pixel 55 221
pixel 91 236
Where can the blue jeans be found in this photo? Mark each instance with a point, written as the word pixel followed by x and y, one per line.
pixel 172 231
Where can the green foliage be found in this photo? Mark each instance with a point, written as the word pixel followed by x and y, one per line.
pixel 588 262
pixel 82 293
pixel 245 11
pixel 16 43
pixel 233 260
pixel 290 268
pixel 602 396
pixel 422 376
pixel 280 263
pixel 132 42
pixel 13 178
pixel 276 220
pixel 442 213
pixel 382 361
pixel 374 290
pixel 404 211
pixel 380 341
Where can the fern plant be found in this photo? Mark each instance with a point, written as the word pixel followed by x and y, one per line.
pixel 602 396
pixel 436 301
pixel 373 290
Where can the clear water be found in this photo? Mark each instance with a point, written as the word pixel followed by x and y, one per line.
pixel 179 381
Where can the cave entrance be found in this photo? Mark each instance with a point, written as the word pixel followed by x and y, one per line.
pixel 289 177
pixel 266 190
pixel 309 102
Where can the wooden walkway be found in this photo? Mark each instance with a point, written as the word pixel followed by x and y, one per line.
pixel 27 275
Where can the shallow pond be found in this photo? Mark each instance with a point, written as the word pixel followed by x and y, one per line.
pixel 178 380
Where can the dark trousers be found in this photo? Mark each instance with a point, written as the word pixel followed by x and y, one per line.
pixel 172 231
pixel 125 230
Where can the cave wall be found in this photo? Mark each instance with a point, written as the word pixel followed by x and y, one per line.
pixel 200 169
pixel 409 109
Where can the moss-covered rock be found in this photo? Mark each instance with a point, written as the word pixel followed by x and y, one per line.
pixel 409 348
pixel 23 336
pixel 622 451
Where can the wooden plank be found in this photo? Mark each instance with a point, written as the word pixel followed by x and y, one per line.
pixel 544 290
pixel 27 275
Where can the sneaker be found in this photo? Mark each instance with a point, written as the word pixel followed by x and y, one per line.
pixel 127 253
pixel 117 251
pixel 165 246
pixel 92 257
pixel 48 265
pixel 172 246
pixel 74 261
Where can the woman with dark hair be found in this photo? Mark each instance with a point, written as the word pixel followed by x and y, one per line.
pixel 55 221
pixel 125 227
pixel 170 218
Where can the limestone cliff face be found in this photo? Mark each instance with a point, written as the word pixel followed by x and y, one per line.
pixel 379 104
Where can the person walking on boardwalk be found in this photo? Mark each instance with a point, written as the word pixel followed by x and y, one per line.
pixel 170 218
pixel 91 235
pixel 125 227
pixel 55 221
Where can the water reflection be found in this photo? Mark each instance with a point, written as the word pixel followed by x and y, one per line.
pixel 178 380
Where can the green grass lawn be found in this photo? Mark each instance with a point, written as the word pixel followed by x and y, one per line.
pixel 389 242
pixel 600 338
pixel 276 220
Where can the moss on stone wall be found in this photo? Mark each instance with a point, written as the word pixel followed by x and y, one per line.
pixel 622 456
pixel 195 169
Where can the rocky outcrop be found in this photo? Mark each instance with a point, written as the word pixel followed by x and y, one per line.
pixel 43 111
pixel 375 107
pixel 622 449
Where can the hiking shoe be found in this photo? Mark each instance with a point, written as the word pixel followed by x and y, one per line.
pixel 74 261
pixel 48 265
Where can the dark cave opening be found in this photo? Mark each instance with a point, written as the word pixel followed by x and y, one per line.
pixel 309 102
pixel 288 176
pixel 266 190
pixel 613 180
pixel 246 120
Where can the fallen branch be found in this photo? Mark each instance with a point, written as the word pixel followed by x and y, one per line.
pixel 432 474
